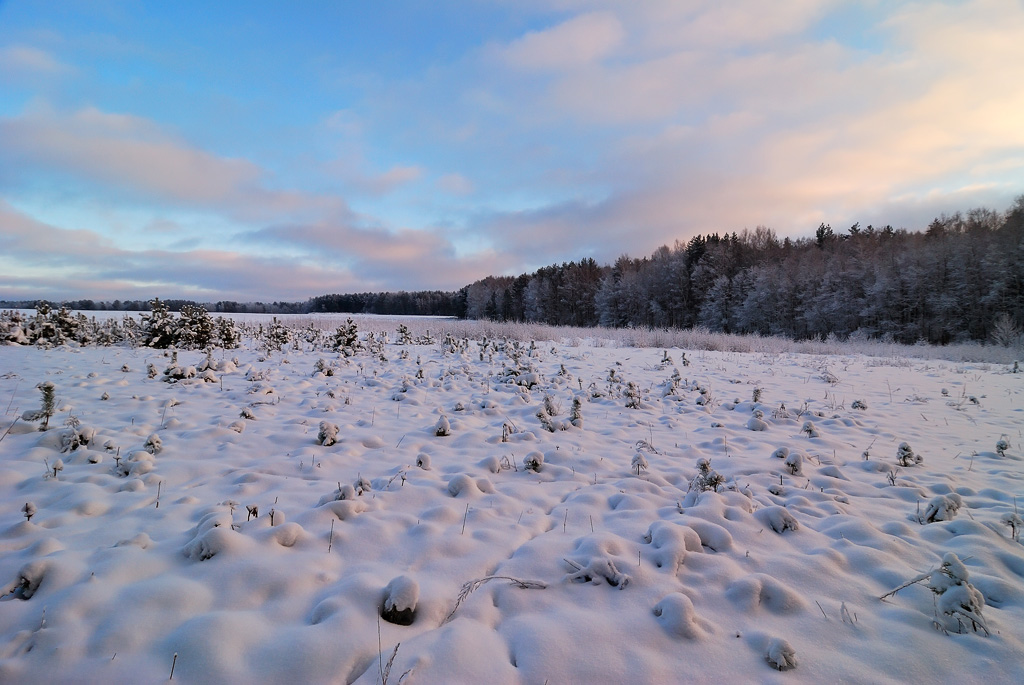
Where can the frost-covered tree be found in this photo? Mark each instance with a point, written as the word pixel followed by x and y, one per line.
pixel 346 338
pixel 195 328
pixel 159 328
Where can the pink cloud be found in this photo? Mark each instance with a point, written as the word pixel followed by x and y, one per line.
pixel 582 40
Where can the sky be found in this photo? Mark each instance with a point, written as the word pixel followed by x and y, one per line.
pixel 278 151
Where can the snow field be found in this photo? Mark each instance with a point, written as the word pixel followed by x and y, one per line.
pixel 257 550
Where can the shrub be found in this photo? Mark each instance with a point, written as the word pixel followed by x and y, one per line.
pixel 943 508
pixel 906 456
pixel 957 597
pixel 328 434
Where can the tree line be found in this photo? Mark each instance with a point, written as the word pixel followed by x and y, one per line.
pixel 961 279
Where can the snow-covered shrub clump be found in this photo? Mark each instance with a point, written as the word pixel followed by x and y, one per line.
pixel 706 478
pixel 943 508
pixel 957 597
pixel 328 434
pixel 400 599
pixel 442 428
pixel 757 423
pixel 906 456
pixel 1002 444
pixel 795 463
pixel 576 413
pixel 534 461
pixel 780 654
pixel 777 518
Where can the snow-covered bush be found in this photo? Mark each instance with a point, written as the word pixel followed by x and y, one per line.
pixel 328 434
pixel 756 423
pixel 809 430
pixel 859 404
pixel 777 518
pixel 639 463
pixel 781 453
pixel 1015 522
pixel 632 396
pixel 400 599
pixel 534 461
pixel 277 336
pixel 29 510
pixel 159 329
pixel 906 456
pixel 576 413
pixel 30 577
pixel 780 654
pixel 1002 444
pixel 943 508
pixel 346 338
pixel 153 444
pixel 195 328
pixel 957 597
pixel 423 461
pixel 795 463
pixel 706 478
pixel 442 428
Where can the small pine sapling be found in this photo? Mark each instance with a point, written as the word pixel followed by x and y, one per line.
pixel 809 429
pixel 1002 444
pixel 48 409
pixel 706 478
pixel 328 434
pixel 859 404
pixel 906 456
pixel 29 510
pixel 576 413
pixel 632 396
pixel 757 395
pixel 639 463
pixel 1014 521
pixel 545 421
pixel 58 466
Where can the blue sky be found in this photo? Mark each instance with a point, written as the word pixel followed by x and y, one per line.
pixel 276 151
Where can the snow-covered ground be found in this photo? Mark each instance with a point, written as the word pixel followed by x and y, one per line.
pixel 612 559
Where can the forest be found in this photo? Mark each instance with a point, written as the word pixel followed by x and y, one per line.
pixel 961 279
